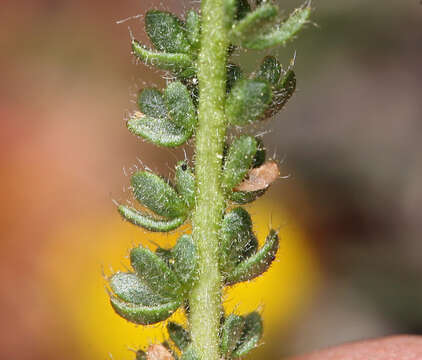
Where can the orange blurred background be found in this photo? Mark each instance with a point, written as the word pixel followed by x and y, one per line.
pixel 350 264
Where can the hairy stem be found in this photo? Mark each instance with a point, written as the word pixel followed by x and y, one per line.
pixel 205 300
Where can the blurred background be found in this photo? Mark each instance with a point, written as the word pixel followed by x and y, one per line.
pixel 349 208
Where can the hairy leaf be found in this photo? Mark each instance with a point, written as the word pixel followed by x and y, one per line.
pixel 179 63
pixel 179 335
pixel 238 161
pixel 230 334
pixel 193 28
pixel 185 261
pixel 257 263
pixel 247 101
pixel 185 183
pixel 130 288
pixel 148 222
pixel 263 15
pixel 282 93
pixel 280 34
pixel 244 197
pixel 152 104
pixel 270 70
pixel 155 273
pixel 252 333
pixel 166 32
pixel 157 195
pixel 145 315
pixel 167 120
pixel 234 73
pixel 237 239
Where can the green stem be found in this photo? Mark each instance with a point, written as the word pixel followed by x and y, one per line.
pixel 205 299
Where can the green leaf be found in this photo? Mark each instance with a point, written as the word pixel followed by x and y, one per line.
pixel 245 197
pixel 193 28
pixel 247 101
pixel 239 160
pixel 128 287
pixel 280 34
pixel 231 333
pixel 148 222
pixel 166 32
pixel 282 93
pixel 155 273
pixel 184 265
pixel 234 73
pixel 167 120
pixel 157 195
pixel 235 10
pixel 179 335
pixel 253 21
pixel 180 106
pixel 257 263
pixel 237 239
pixel 181 64
pixel 251 335
pixel 151 103
pixel 185 183
pixel 144 315
pixel 242 9
pixel 270 70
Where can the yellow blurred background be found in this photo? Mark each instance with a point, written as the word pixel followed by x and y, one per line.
pixel 349 210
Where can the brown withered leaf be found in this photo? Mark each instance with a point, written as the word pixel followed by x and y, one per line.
pixel 260 178
pixel 159 352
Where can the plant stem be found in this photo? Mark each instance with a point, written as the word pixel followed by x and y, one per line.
pixel 205 300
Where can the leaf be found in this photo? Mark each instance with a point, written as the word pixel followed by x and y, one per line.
pixel 167 120
pixel 157 195
pixel 260 178
pixel 179 63
pixel 243 197
pixel 179 335
pixel 242 9
pixel 148 222
pixel 256 264
pixel 184 256
pixel 270 70
pixel 193 28
pixel 234 73
pixel 180 106
pixel 247 101
pixel 166 32
pixel 144 315
pixel 237 240
pixel 155 273
pixel 151 103
pixel 282 93
pixel 128 287
pixel 252 333
pixel 158 352
pixel 185 183
pixel 230 334
pixel 238 161
pixel 243 29
pixel 282 33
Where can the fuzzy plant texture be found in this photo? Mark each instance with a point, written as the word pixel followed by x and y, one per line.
pixel 208 96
